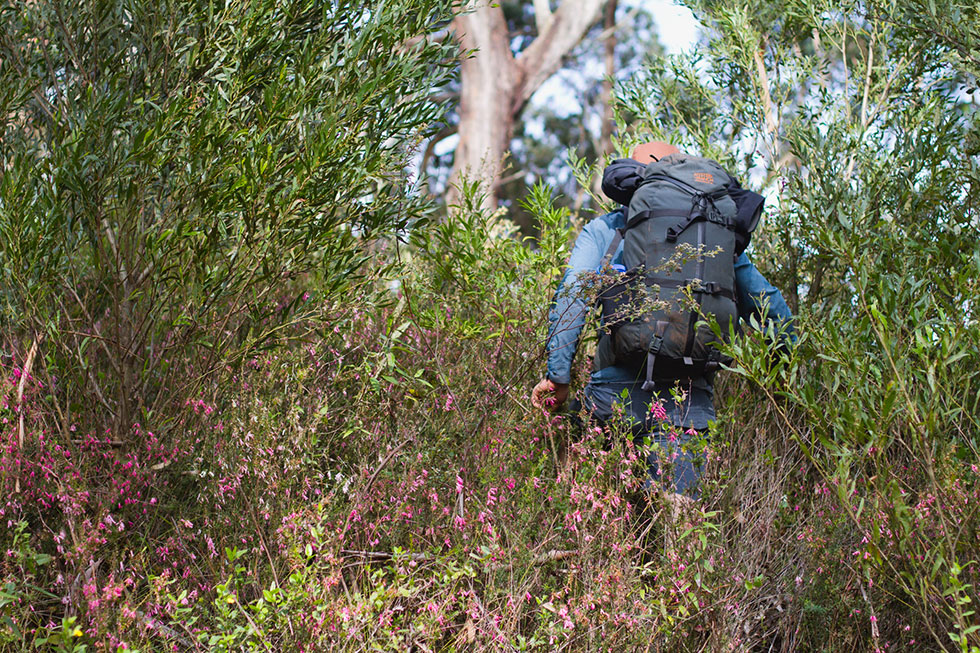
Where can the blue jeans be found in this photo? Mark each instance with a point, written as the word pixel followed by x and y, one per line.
pixel 672 438
pixel 681 453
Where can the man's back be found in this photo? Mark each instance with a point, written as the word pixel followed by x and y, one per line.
pixel 685 404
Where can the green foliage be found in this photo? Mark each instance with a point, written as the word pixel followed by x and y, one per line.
pixel 170 167
pixel 181 175
pixel 62 639
pixel 23 587
pixel 857 127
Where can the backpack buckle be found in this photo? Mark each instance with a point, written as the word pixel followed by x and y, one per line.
pixel 656 342
pixel 708 287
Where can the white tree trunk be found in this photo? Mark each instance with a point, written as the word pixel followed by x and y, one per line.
pixel 496 85
pixel 489 79
pixel 604 146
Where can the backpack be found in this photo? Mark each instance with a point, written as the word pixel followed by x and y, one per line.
pixel 679 248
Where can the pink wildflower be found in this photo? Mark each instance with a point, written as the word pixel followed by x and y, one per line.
pixel 658 411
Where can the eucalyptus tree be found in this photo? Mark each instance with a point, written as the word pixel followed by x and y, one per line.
pixel 571 112
pixel 496 82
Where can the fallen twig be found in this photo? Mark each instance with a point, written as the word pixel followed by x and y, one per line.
pixel 166 631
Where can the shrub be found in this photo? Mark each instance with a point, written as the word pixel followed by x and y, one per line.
pixel 170 167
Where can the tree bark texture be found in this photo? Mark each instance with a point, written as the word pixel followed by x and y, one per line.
pixel 608 119
pixel 604 146
pixel 496 85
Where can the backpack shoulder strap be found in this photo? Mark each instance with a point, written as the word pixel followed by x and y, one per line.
pixel 611 250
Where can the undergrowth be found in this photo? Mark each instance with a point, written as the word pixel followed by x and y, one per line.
pixel 384 483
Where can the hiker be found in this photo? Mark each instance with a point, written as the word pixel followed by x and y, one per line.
pixel 648 401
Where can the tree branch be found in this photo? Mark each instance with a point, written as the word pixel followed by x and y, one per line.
pixel 543 57
pixel 430 148
pixel 435 37
pixel 542 15
pixel 25 372
pixel 553 555
pixel 606 96
pixel 445 96
pixel 764 95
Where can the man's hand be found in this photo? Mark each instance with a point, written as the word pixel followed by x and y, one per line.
pixel 549 395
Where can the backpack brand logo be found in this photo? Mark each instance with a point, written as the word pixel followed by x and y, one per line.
pixel 704 177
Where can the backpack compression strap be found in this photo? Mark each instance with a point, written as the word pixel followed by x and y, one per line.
pixel 685 222
pixel 709 288
pixel 655 343
pixel 702 207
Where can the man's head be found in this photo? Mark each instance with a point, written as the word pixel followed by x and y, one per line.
pixel 653 151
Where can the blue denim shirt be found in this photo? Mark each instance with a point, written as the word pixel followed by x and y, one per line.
pixel 755 296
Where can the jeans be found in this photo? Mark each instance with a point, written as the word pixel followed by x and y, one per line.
pixel 672 434
pixel 682 453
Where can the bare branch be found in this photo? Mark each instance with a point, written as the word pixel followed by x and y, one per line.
pixel 606 96
pixel 765 97
pixel 24 373
pixel 512 177
pixel 543 57
pixel 435 37
pixel 539 559
pixel 446 96
pixel 542 15
pixel 430 147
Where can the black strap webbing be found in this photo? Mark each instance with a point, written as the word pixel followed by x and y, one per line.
pixel 611 250
pixel 702 208
pixel 655 343
pixel 709 288
pixel 637 218
pixel 678 229
pixel 695 311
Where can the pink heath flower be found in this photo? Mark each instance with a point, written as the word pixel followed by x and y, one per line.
pixel 658 411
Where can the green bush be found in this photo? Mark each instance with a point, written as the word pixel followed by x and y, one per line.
pixel 170 168
pixel 859 129
pixel 359 467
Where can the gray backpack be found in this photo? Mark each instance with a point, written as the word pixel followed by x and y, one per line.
pixel 679 253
